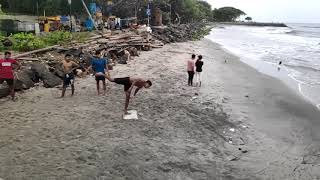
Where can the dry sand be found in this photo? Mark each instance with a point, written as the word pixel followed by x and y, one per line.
pixel 178 135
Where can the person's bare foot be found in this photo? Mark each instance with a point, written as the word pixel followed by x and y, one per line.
pixel 126 113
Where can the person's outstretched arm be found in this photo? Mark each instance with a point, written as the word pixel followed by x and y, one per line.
pixel 127 102
pixel 136 91
pixel 132 85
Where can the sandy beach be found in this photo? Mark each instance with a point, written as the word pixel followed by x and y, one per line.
pixel 240 124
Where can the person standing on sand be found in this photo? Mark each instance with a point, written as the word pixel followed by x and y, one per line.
pixel 68 68
pixel 6 71
pixel 129 83
pixel 190 69
pixel 99 66
pixel 199 64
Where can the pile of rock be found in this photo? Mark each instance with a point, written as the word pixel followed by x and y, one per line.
pixel 177 33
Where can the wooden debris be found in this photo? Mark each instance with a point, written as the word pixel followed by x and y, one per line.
pixel 28 59
pixel 35 51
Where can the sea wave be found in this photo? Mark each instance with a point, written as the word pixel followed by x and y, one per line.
pixel 293 32
pixel 313 27
pixel 280 30
pixel 303 67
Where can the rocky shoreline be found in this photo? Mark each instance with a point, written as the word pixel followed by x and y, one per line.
pixel 259 24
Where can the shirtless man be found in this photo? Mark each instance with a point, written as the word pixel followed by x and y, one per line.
pixel 129 83
pixel 68 67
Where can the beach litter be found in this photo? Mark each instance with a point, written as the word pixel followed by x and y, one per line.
pixel 232 158
pixel 232 129
pixel 133 115
pixel 193 98
pixel 243 151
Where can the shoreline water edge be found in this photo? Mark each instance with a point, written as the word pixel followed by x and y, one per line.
pixel 264 48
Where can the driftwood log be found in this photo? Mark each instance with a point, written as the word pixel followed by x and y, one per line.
pixel 35 51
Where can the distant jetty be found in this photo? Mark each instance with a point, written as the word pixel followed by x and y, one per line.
pixel 255 24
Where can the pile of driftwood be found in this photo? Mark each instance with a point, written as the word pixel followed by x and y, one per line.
pixel 44 65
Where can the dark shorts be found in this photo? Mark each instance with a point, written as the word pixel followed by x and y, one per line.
pixel 100 78
pixel 68 79
pixel 10 82
pixel 124 81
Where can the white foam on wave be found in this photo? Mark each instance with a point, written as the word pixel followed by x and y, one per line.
pixel 258 45
pixel 300 86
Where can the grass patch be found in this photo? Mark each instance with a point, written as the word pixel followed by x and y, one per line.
pixel 23 42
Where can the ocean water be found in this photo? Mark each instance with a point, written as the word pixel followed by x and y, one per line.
pixel 296 46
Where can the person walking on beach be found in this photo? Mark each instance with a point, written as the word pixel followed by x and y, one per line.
pixel 199 64
pixel 190 69
pixel 129 83
pixel 99 66
pixel 7 73
pixel 68 68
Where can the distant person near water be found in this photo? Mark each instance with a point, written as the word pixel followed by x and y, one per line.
pixel 129 83
pixel 99 66
pixel 279 65
pixel 7 73
pixel 190 69
pixel 199 64
pixel 68 68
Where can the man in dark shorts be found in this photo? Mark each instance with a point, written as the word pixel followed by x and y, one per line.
pixel 128 84
pixel 99 66
pixel 68 68
pixel 6 71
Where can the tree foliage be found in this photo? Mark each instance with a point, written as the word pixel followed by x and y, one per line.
pixel 50 7
pixel 248 18
pixel 183 11
pixel 226 14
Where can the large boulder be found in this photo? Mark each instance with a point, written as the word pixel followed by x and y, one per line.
pixel 58 70
pixel 133 51
pixel 86 58
pixel 48 78
pixel 74 52
pixel 25 79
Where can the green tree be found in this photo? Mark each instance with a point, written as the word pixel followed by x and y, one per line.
pixel 248 18
pixel 184 11
pixel 226 14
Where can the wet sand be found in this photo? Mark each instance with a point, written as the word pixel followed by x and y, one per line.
pixel 179 135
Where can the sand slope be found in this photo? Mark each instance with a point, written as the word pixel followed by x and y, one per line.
pixel 84 137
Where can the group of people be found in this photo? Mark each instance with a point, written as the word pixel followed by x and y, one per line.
pixel 100 72
pixel 98 67
pixel 194 67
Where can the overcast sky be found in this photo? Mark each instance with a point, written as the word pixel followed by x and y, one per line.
pixel 276 10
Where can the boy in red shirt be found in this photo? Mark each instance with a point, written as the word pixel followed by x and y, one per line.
pixel 6 71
